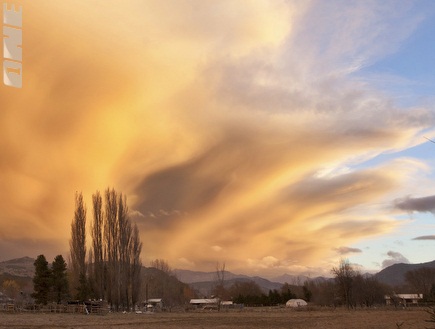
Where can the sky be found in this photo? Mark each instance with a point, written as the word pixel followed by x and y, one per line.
pixel 272 136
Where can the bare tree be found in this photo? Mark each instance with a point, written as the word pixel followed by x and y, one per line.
pixel 219 289
pixel 161 265
pixel 136 265
pixel 78 248
pixel 124 251
pixel 111 240
pixel 97 245
pixel 368 291
pixel 323 292
pixel 422 280
pixel 245 288
pixel 220 273
pixel 114 260
pixel 344 277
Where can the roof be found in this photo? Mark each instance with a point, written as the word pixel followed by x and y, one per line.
pixel 204 301
pixel 296 302
pixel 406 296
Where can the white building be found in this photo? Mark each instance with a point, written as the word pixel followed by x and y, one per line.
pixel 403 299
pixel 153 304
pixel 205 302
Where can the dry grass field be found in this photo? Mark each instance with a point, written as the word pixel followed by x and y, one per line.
pixel 248 318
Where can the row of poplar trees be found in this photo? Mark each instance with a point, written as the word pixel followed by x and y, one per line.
pixel 111 269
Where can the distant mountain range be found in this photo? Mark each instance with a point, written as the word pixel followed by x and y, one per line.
pixel 187 276
pixel 20 270
pixel 203 282
pixel 394 275
pixel 21 267
pixel 297 280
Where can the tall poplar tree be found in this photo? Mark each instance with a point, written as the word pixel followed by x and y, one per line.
pixel 78 249
pixel 114 258
pixel 97 258
pixel 111 236
pixel 124 242
pixel 136 264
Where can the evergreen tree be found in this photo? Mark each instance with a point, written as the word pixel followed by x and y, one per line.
pixel 274 297
pixel 286 293
pixel 59 279
pixel 83 290
pixel 41 280
pixel 307 292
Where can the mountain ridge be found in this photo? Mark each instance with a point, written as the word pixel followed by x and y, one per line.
pixel 393 275
pixel 21 267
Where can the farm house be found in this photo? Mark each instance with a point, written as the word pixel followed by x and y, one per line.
pixel 403 299
pixel 153 304
pixel 205 303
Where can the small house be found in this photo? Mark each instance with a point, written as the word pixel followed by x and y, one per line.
pixel 205 303
pixel 403 299
pixel 153 304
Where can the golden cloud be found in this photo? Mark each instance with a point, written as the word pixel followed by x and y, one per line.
pixel 193 110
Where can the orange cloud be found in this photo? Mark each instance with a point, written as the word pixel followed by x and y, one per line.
pixel 228 146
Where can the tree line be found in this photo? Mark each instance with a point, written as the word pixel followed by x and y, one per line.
pixel 250 294
pixel 351 289
pixel 347 288
pixel 110 270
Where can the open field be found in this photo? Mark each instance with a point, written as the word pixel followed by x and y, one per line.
pixel 248 318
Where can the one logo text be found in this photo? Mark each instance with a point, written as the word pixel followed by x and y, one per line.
pixel 12 45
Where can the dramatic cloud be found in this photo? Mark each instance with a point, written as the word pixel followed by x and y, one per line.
pixel 347 250
pixel 424 204
pixel 395 258
pixel 238 131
